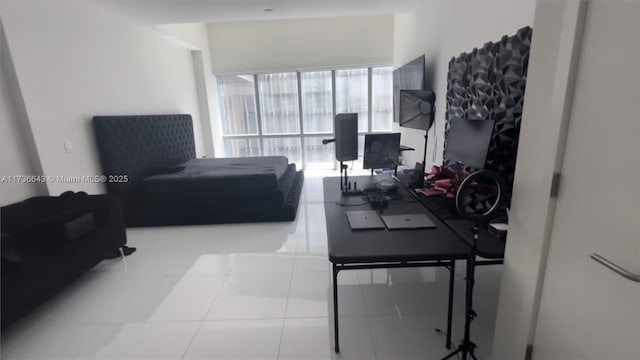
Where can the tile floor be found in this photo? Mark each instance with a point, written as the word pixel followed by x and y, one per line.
pixel 249 291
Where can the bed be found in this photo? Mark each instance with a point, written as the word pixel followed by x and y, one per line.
pixel 167 185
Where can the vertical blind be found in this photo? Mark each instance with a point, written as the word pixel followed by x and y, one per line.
pixel 289 113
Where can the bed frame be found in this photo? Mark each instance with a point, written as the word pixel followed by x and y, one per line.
pixel 136 145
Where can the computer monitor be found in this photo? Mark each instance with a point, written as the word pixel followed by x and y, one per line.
pixel 468 142
pixel 381 151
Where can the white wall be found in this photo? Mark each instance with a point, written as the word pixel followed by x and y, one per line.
pixel 283 45
pixel 196 37
pixel 73 60
pixel 587 311
pixel 442 29
pixel 549 95
pixel 17 149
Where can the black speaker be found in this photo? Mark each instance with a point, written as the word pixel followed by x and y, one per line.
pixel 346 130
pixel 417 176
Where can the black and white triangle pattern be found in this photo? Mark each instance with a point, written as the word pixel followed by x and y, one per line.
pixel 489 83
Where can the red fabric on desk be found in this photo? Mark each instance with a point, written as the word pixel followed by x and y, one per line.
pixel 442 182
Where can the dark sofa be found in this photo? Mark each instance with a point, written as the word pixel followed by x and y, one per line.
pixel 47 242
pixel 167 185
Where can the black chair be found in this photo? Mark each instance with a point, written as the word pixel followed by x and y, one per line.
pixel 48 241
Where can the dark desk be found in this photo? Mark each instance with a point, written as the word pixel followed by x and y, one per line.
pixel 489 246
pixel 371 249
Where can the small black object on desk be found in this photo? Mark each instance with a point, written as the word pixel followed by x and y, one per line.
pixel 403 148
pixel 346 188
pixel 377 200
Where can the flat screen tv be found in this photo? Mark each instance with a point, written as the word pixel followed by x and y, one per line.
pixel 407 77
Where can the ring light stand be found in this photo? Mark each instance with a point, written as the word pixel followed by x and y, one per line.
pixel 418 182
pixel 417 111
pixel 478 198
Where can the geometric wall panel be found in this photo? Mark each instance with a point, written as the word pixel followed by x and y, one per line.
pixel 489 83
pixel 457 91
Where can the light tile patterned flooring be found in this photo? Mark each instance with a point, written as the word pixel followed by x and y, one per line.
pixel 249 291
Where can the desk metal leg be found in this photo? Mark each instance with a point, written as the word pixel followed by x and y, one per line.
pixel 335 307
pixel 452 274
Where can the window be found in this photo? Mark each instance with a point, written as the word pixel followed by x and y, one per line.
pixel 283 146
pixel 279 108
pixel 317 155
pixel 352 95
pixel 382 98
pixel 238 105
pixel 242 147
pixel 289 113
pixel 317 102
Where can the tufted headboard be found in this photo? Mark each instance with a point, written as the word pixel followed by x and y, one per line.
pixel 136 145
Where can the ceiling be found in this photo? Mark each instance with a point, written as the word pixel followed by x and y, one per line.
pixel 190 11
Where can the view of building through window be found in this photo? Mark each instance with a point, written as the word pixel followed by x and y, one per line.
pixel 290 113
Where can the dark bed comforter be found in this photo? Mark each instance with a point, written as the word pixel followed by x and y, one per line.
pixel 223 175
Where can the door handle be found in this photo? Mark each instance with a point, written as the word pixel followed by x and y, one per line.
pixel 616 268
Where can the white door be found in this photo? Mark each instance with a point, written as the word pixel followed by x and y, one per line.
pixel 587 311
